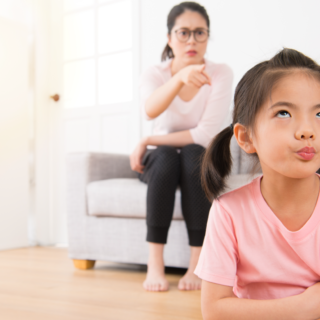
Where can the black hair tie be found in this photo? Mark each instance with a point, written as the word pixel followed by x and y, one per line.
pixel 231 127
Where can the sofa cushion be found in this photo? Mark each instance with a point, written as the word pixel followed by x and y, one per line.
pixel 122 198
pixel 127 197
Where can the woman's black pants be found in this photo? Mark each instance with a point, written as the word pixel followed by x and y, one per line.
pixel 166 169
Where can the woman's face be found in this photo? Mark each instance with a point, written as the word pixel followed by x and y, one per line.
pixel 191 51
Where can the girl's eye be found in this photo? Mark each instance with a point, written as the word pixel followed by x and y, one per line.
pixel 318 115
pixel 283 114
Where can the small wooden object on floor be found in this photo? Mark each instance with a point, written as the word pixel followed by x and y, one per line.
pixel 84 264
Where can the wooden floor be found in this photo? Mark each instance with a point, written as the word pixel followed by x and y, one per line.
pixel 42 284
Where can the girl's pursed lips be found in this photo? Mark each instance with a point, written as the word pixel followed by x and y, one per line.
pixel 307 150
pixel 307 153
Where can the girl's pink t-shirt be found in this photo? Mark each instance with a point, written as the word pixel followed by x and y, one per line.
pixel 204 115
pixel 247 247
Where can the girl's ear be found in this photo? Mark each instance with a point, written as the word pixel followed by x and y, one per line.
pixel 244 138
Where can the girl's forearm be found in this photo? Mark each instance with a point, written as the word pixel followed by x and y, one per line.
pixel 175 139
pixel 161 98
pixel 291 308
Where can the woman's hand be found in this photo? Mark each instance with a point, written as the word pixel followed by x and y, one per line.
pixel 137 155
pixel 194 75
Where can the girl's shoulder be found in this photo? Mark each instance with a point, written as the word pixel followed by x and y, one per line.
pixel 241 198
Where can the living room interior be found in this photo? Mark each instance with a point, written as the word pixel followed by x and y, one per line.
pixel 72 241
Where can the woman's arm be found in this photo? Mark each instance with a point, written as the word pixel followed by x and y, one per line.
pixel 174 139
pixel 217 107
pixel 218 302
pixel 161 98
pixel 159 101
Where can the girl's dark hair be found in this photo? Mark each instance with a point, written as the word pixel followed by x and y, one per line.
pixel 251 92
pixel 175 12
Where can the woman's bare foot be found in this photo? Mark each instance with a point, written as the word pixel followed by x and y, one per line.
pixel 156 280
pixel 190 281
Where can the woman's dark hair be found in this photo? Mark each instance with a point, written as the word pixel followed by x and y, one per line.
pixel 175 12
pixel 251 92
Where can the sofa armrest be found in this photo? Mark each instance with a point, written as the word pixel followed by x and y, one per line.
pixel 83 168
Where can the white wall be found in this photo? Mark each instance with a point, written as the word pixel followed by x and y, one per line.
pixel 34 15
pixel 21 12
pixel 243 33
pixel 14 129
pixel 43 208
pixel 17 10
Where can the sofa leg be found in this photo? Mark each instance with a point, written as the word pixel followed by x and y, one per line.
pixel 84 264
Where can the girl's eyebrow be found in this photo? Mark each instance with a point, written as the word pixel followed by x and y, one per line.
pixel 283 103
pixel 291 105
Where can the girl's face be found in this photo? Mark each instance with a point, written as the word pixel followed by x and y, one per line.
pixel 191 51
pixel 286 133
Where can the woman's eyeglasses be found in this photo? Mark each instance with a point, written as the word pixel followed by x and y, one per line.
pixel 200 34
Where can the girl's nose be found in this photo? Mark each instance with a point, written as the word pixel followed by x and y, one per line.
pixel 305 134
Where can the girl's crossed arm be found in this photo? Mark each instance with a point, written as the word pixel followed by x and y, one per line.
pixel 218 302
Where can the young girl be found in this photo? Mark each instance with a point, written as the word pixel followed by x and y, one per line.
pixel 261 253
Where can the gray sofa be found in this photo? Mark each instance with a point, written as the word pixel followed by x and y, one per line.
pixel 106 206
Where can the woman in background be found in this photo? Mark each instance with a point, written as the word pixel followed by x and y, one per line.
pixel 189 98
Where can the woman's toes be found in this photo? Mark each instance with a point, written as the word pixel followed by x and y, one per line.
pixel 156 282
pixel 189 282
pixel 182 285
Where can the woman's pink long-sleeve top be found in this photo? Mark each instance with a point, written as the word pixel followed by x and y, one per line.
pixel 204 115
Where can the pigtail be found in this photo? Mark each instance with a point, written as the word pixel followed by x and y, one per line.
pixel 216 164
pixel 167 53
